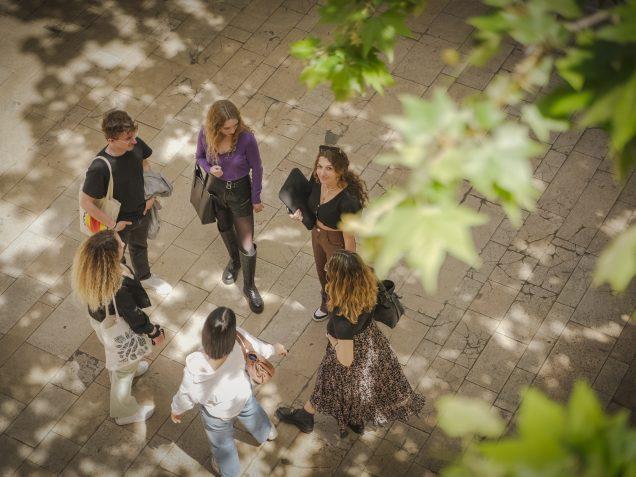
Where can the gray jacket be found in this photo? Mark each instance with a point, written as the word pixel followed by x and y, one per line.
pixel 155 185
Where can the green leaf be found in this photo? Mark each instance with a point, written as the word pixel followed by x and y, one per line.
pixel 624 115
pixel 499 168
pixel 625 30
pixel 312 76
pixel 533 24
pixel 625 160
pixel 541 427
pixel 617 263
pixel 564 102
pixel 569 67
pixel 495 22
pixel 377 76
pixel 534 456
pixel 305 48
pixel 588 443
pixel 498 3
pixel 370 34
pixel 502 90
pixel 565 8
pixel 540 74
pixel 396 226
pixel 487 114
pixel 460 416
pixel 540 124
pixel 584 414
pixel 540 418
pixel 396 20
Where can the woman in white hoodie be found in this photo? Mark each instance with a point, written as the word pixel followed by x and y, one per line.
pixel 216 379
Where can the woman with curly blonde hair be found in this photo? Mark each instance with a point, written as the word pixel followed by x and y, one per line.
pixel 359 379
pixel 228 152
pixel 109 288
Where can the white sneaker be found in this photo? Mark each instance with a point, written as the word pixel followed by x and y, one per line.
pixel 320 315
pixel 142 368
pixel 143 414
pixel 162 287
pixel 273 433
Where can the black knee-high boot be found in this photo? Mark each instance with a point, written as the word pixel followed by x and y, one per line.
pixel 231 270
pixel 248 262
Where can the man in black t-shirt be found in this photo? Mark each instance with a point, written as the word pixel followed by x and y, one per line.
pixel 128 157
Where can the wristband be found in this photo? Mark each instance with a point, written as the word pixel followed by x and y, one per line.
pixel 152 340
pixel 157 330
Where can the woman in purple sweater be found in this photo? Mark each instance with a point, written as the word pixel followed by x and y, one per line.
pixel 227 150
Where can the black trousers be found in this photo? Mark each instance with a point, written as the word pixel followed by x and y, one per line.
pixel 135 236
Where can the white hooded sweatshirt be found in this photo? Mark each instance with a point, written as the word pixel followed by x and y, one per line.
pixel 223 391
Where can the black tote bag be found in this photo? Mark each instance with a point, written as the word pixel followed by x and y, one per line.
pixel 200 198
pixel 389 308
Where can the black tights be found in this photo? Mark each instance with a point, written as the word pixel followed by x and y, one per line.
pixel 243 227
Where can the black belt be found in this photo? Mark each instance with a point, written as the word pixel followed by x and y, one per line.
pixel 229 185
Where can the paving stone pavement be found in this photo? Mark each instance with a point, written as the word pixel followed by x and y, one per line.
pixel 528 316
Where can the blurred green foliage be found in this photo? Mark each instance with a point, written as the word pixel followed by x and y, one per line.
pixel 363 30
pixel 443 144
pixel 577 439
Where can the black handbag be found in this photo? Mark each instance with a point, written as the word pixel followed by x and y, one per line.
pixel 389 308
pixel 200 198
pixel 294 194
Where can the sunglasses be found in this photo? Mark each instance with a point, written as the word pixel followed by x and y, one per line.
pixel 325 147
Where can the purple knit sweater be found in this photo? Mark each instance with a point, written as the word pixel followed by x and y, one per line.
pixel 236 164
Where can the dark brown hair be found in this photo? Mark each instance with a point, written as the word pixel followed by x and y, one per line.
pixel 117 122
pixel 219 333
pixel 340 162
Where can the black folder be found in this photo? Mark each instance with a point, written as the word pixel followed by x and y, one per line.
pixel 294 194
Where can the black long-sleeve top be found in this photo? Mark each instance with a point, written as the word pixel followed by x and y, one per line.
pixel 131 299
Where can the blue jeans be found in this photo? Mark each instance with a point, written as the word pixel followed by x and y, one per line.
pixel 221 434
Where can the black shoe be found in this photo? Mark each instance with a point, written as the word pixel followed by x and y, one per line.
pixel 298 417
pixel 231 270
pixel 248 263
pixel 357 428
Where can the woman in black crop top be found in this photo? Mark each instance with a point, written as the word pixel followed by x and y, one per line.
pixel 359 379
pixel 335 191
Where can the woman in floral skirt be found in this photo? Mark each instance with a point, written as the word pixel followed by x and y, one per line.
pixel 360 379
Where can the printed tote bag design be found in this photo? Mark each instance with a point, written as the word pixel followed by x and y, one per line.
pixel 90 225
pixel 122 345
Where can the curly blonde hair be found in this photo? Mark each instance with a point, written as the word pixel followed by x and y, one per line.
pixel 220 112
pixel 96 269
pixel 351 285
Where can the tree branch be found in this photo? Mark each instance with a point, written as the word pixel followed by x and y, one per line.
pixel 588 22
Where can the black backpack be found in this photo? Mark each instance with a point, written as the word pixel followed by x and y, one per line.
pixel 389 308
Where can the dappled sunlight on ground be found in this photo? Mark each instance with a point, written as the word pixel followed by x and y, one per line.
pixel 527 316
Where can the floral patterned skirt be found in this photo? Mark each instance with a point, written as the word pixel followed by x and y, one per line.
pixel 372 390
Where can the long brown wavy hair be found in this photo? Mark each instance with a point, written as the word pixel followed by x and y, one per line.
pixel 352 287
pixel 220 112
pixel 96 269
pixel 346 177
